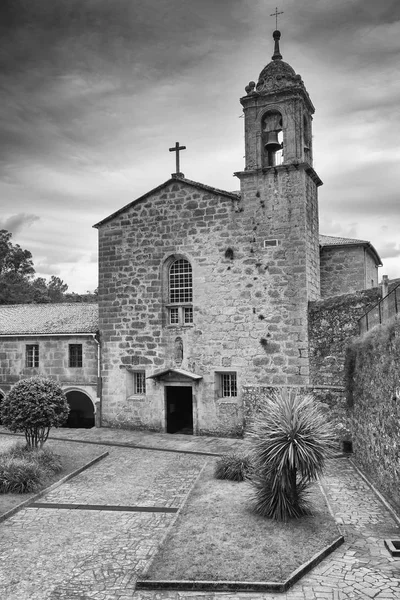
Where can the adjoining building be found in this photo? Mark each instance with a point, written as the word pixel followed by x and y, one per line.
pixel 58 341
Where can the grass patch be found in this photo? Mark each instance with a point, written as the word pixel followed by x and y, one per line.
pixel 218 538
pixel 63 459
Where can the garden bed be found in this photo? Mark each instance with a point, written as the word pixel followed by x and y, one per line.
pixel 218 538
pixel 73 456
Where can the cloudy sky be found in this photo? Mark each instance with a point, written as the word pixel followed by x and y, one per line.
pixel 94 92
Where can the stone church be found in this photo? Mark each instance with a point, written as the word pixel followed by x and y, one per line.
pixel 204 294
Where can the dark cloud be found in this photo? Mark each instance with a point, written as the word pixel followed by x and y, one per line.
pixel 15 223
pixel 95 91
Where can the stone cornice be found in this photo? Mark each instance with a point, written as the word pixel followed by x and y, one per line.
pixel 283 168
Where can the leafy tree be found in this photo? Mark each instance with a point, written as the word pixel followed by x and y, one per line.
pixel 13 259
pixel 291 441
pixel 16 271
pixel 33 406
pixel 56 289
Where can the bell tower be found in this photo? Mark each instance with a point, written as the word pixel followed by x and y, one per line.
pixel 280 206
pixel 278 116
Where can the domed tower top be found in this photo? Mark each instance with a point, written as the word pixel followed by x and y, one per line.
pixel 277 75
pixel 278 113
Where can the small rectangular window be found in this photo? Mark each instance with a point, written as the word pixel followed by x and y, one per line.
pixel 32 355
pixel 139 383
pixel 75 355
pixel 188 314
pixel 174 316
pixel 228 384
pixel 268 243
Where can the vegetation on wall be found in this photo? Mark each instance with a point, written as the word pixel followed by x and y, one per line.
pixel 373 397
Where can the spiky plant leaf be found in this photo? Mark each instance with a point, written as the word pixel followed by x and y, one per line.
pixel 291 442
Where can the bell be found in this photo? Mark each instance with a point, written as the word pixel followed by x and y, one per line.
pixel 272 144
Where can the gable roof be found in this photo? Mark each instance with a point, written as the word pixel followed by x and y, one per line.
pixel 172 371
pixel 327 241
pixel 47 319
pixel 174 179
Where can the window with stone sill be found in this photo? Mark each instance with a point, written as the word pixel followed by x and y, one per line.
pixel 135 383
pixel 180 293
pixel 32 355
pixel 226 384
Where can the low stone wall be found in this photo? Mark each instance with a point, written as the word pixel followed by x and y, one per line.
pixel 373 388
pixel 333 323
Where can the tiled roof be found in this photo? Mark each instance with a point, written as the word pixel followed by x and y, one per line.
pixel 28 319
pixel 329 240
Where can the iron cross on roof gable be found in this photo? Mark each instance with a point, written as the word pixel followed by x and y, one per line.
pixel 177 149
pixel 275 14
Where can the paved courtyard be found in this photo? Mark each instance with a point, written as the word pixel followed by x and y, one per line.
pixel 98 550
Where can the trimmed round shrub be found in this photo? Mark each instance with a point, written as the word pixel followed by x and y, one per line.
pixel 19 475
pixel 33 406
pixel 291 441
pixel 233 467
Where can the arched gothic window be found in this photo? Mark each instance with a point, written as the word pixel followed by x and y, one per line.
pixel 180 293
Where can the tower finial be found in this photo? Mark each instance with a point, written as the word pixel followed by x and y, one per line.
pixel 277 36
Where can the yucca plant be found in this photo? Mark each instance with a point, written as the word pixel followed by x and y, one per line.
pixel 291 441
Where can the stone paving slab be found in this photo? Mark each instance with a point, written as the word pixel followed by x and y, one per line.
pixel 188 443
pixel 131 477
pixel 53 554
pixel 50 554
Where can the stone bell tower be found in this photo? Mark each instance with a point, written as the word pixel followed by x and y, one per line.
pixel 279 200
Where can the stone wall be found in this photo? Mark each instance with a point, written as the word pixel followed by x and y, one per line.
pixel 333 323
pixel 250 300
pixel 331 398
pixel 374 398
pixel 346 269
pixel 53 362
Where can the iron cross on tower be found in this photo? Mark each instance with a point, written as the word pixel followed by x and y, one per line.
pixel 176 149
pixel 275 14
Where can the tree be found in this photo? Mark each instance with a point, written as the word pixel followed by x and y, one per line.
pixel 16 271
pixel 56 289
pixel 33 406
pixel 291 441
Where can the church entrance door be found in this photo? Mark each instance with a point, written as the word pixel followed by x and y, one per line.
pixel 179 409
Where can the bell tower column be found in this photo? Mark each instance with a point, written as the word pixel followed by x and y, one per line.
pixel 279 198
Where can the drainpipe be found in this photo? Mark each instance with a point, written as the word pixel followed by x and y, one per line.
pixel 96 337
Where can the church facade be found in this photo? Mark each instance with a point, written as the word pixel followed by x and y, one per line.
pixel 204 292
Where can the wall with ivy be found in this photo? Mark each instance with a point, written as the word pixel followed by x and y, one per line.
pixel 373 394
pixel 332 325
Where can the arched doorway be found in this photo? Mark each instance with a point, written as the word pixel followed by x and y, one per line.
pixel 81 413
